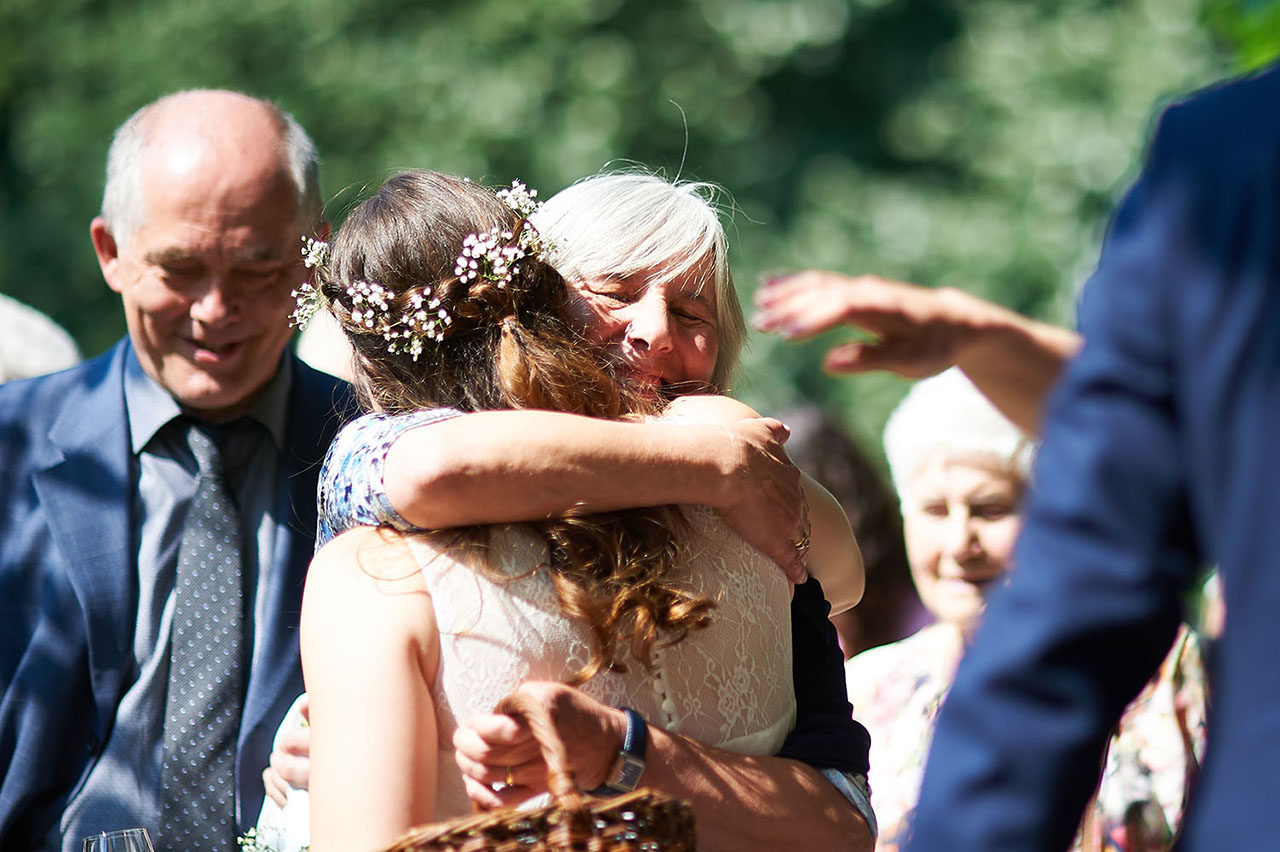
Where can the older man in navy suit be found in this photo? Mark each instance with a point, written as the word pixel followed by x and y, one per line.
pixel 1158 457
pixel 157 504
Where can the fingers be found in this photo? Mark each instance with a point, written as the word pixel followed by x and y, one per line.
pixel 848 358
pixel 487 798
pixel 788 545
pixel 778 430
pixel 494 739
pixel 277 790
pixel 495 749
pixel 801 306
pixel 292 769
pixel 912 357
pixel 296 743
pixel 529 777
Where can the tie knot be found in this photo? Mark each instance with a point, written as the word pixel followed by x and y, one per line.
pixel 205 441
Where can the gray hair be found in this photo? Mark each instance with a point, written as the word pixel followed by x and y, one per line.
pixel 123 207
pixel 622 224
pixel 946 414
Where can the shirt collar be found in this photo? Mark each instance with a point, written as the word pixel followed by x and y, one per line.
pixel 150 407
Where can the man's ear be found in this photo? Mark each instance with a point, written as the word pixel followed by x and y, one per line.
pixel 107 250
pixel 323 231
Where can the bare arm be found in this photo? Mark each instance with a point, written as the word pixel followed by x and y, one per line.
pixel 506 466
pixel 369 654
pixel 919 331
pixel 740 801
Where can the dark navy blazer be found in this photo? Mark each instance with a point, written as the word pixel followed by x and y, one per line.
pixel 68 583
pixel 1161 454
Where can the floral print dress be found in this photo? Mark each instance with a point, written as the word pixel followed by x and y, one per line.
pixel 897 689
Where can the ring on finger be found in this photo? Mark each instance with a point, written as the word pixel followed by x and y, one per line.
pixel 510 779
pixel 802 544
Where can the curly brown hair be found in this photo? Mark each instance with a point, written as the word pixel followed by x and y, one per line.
pixel 507 347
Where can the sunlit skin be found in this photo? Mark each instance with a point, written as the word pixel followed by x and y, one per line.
pixel 206 279
pixel 660 334
pixel 960 519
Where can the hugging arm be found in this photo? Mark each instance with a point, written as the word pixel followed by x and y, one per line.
pixel 919 331
pixel 510 466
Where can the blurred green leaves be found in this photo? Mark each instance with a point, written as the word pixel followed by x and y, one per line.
pixel 974 143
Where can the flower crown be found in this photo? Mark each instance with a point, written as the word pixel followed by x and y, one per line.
pixel 494 255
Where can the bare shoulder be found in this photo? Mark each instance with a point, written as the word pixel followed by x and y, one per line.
pixel 367 576
pixel 709 409
pixel 366 555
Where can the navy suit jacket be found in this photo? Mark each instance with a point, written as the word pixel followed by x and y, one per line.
pixel 69 591
pixel 1159 456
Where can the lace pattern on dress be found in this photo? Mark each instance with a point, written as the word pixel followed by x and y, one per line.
pixel 728 685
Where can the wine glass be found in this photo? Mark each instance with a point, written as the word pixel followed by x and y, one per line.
pixel 125 840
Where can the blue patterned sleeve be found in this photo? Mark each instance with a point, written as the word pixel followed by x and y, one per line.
pixel 352 493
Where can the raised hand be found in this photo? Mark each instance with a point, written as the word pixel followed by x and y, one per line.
pixel 917 331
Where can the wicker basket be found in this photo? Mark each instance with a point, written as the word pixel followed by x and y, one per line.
pixel 644 820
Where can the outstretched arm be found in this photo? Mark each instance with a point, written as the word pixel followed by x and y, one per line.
pixel 919 331
pixel 740 801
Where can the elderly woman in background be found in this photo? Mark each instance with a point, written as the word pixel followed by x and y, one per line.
pixel 960 469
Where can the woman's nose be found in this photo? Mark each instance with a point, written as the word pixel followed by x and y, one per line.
pixel 649 326
pixel 962 537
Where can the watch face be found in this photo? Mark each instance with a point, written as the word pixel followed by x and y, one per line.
pixel 629 772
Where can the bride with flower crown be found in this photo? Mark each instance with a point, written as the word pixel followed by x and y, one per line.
pixel 439 286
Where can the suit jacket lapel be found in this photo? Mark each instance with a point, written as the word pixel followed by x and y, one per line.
pixel 318 405
pixel 85 486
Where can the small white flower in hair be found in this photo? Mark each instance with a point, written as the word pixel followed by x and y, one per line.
pixel 314 252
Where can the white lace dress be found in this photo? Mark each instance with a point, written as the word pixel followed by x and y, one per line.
pixel 729 685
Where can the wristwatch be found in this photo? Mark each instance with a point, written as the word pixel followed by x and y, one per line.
pixel 629 764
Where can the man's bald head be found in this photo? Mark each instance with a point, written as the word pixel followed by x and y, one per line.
pixel 209 125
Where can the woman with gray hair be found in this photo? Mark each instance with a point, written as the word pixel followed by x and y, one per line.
pixel 960 469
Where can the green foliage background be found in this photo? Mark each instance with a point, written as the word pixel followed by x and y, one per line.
pixel 975 143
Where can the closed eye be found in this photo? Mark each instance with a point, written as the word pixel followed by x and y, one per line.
pixel 991 511
pixel 181 270
pixel 262 271
pixel 614 298
pixel 693 316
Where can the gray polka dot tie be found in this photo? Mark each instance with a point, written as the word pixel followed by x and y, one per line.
pixel 206 667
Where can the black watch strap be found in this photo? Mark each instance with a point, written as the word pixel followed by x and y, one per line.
pixel 629 765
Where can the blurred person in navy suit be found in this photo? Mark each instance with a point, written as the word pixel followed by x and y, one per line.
pixel 1157 458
